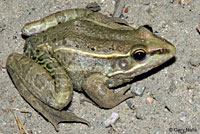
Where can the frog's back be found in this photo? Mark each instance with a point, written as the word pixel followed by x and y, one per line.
pixel 87 36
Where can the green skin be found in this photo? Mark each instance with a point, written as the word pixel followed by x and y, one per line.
pixel 88 55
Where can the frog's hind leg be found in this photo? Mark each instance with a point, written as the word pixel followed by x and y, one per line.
pixel 45 78
pixel 54 20
pixel 40 90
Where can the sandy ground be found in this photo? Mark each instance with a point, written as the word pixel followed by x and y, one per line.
pixel 174 87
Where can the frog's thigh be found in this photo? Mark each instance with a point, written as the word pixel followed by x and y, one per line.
pixel 56 93
pixel 101 94
pixel 24 86
pixel 53 20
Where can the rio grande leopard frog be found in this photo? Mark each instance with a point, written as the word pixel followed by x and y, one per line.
pixel 86 51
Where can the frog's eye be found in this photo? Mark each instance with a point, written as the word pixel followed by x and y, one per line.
pixel 139 55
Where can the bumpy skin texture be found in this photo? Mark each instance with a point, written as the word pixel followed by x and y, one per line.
pixel 87 52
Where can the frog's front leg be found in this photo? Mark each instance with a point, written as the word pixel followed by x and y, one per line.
pixel 47 94
pixel 98 92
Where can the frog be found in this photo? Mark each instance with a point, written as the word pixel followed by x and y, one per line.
pixel 85 51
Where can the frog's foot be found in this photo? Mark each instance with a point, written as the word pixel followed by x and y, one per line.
pixel 37 87
pixel 56 116
pixel 52 115
pixel 103 96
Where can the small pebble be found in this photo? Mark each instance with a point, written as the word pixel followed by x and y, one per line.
pixel 131 105
pixel 29 115
pixel 93 6
pixel 137 90
pixel 191 101
pixel 149 100
pixel 183 118
pixel 3 66
pixel 172 86
pixel 2 27
pixel 171 1
pixel 111 120
pixel 157 132
pixel 195 109
pixel 126 10
pixel 194 61
pixel 102 1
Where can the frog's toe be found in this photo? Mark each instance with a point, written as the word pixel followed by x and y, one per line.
pixel 121 94
pixel 56 117
pixel 123 90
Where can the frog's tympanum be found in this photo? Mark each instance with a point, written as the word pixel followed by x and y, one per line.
pixel 86 51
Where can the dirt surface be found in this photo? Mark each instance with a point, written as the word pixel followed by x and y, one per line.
pixel 174 87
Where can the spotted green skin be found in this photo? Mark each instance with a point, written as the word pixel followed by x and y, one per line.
pixel 90 53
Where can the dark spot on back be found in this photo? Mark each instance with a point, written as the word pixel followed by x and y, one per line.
pixel 93 49
pixel 54 76
pixel 37 51
pixel 49 66
pixel 64 41
pixel 34 58
pixel 58 56
pixel 77 46
pixel 65 59
pixel 40 58
pixel 54 40
pixel 111 48
pixel 44 38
